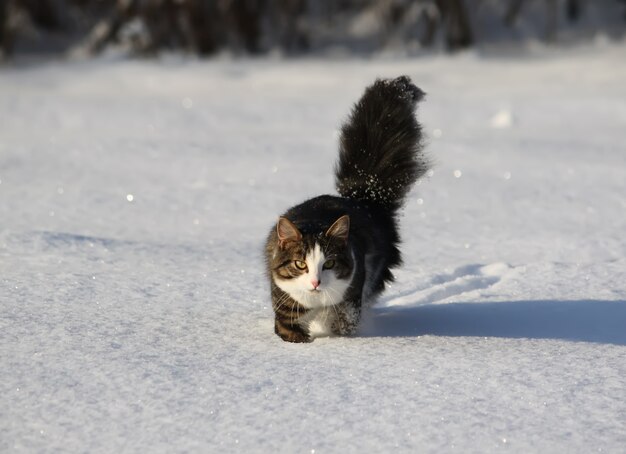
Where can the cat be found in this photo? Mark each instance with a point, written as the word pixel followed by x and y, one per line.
pixel 330 255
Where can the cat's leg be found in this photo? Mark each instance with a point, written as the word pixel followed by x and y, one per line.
pixel 287 313
pixel 347 318
pixel 290 332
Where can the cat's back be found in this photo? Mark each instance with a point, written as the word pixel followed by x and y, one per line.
pixel 373 235
pixel 317 214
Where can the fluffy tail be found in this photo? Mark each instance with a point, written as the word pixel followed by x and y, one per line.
pixel 380 155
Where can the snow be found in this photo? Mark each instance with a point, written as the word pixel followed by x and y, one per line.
pixel 135 197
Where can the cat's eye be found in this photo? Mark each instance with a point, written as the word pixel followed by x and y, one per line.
pixel 328 264
pixel 300 264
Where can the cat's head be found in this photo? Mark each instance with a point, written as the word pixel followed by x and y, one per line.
pixel 314 268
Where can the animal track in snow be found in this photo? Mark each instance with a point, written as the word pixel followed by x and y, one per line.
pixel 463 280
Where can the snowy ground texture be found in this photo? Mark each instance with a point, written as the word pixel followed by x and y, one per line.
pixel 134 312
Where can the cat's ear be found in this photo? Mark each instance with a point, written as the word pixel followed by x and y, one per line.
pixel 287 231
pixel 340 229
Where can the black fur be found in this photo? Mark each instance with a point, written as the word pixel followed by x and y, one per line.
pixel 380 151
pixel 380 159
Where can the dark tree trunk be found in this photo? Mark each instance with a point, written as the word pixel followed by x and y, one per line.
pixel 512 12
pixel 457 27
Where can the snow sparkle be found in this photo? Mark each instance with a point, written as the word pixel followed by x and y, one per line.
pixel 187 103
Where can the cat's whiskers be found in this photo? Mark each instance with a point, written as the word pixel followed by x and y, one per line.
pixel 297 312
pixel 324 310
pixel 281 301
pixel 328 307
pixel 336 312
pixel 325 314
pixel 329 289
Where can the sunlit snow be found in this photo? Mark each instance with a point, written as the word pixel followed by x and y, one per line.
pixel 147 326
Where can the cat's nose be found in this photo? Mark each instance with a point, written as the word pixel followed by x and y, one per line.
pixel 315 283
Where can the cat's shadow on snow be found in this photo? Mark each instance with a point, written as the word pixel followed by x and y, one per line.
pixel 581 320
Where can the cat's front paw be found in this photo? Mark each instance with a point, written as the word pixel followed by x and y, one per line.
pixel 343 328
pixel 290 332
pixel 347 321
pixel 296 337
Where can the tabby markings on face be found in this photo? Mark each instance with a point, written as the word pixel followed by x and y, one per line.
pixel 317 284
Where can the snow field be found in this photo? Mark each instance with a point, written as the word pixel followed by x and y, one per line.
pixel 134 313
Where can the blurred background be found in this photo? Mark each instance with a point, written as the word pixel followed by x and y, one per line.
pixel 50 28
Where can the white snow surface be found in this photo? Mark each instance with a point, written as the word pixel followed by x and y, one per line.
pixel 135 197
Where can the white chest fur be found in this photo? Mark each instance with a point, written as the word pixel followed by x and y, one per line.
pixel 319 322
